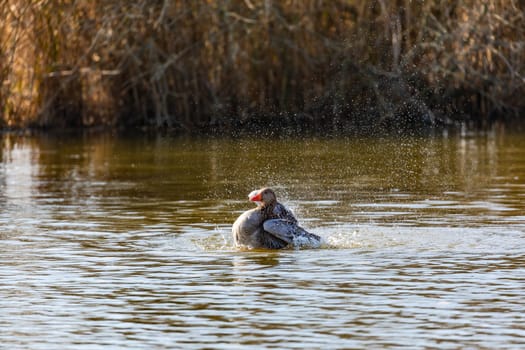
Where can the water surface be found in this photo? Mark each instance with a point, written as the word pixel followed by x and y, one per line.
pixel 119 242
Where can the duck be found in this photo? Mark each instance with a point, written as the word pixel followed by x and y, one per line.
pixel 270 225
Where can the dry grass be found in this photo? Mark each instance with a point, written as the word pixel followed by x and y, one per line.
pixel 235 63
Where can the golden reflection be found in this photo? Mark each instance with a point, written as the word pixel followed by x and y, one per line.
pixel 111 235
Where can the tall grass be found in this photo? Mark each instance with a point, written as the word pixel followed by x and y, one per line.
pixel 242 63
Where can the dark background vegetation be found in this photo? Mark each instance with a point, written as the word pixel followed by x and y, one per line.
pixel 242 64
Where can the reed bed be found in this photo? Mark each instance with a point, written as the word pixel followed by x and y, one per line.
pixel 241 64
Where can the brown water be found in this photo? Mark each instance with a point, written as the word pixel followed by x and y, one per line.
pixel 124 243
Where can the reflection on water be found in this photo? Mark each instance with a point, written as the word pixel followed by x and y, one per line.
pixel 124 242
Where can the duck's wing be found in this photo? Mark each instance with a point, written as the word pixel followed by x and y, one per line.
pixel 281 212
pixel 288 231
pixel 282 229
pixel 271 241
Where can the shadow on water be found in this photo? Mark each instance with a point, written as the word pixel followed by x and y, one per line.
pixel 125 242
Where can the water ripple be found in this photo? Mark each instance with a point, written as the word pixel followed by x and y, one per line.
pixel 421 250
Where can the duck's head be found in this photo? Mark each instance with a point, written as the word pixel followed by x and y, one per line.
pixel 264 196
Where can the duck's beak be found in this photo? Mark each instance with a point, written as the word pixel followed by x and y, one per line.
pixel 255 196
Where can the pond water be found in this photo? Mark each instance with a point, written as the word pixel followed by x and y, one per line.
pixel 119 242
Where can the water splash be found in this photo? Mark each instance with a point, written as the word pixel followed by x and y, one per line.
pixel 342 240
pixel 219 239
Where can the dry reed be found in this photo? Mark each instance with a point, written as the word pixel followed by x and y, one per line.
pixel 244 63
